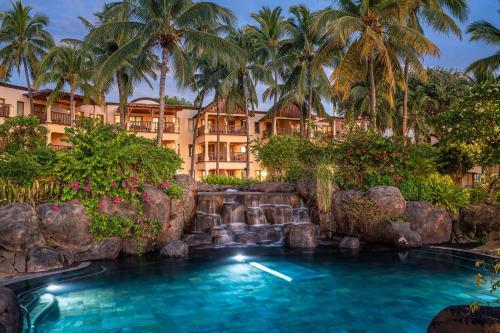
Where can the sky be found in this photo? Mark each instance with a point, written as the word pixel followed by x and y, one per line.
pixel 455 53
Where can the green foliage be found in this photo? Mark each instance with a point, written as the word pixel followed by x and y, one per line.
pixel 22 133
pixel 488 275
pixel 287 158
pixel 479 194
pixel 25 166
pixel 324 187
pixel 173 190
pixel 174 100
pixel 227 180
pixel 362 212
pixel 40 190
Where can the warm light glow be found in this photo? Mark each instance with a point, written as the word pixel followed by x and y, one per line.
pixel 52 287
pixel 243 149
pixel 271 271
pixel 264 174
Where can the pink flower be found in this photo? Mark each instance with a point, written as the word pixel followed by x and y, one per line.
pixel 164 185
pixel 145 196
pixel 114 184
pixel 76 186
pixel 87 188
pixel 55 207
pixel 116 200
pixel 101 205
pixel 139 219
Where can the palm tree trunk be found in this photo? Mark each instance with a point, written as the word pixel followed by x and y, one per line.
pixel 163 75
pixel 195 133
pixel 309 100
pixel 72 105
pixel 373 94
pixel 122 98
pixel 247 116
pixel 273 130
pixel 302 125
pixel 405 100
pixel 217 147
pixel 28 83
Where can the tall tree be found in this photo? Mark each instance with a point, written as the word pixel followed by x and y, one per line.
pixel 26 41
pixel 170 27
pixel 128 70
pixel 63 65
pixel 488 33
pixel 268 35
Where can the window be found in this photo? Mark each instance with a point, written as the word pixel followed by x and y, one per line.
pixel 231 173
pixel 2 101
pixel 20 108
pixel 257 128
pixel 476 178
pixel 190 125
pixel 135 119
pixel 117 118
pixel 190 148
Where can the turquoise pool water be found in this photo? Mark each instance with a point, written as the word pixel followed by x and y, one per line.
pixel 326 291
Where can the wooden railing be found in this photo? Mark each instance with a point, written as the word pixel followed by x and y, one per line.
pixel 60 118
pixel 147 126
pixel 223 130
pixel 283 131
pixel 238 157
pixel 212 157
pixel 4 110
pixel 59 147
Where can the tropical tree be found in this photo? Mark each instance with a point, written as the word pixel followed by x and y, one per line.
pixel 130 69
pixel 306 80
pixel 488 33
pixel 369 29
pixel 268 35
pixel 63 65
pixel 172 28
pixel 25 42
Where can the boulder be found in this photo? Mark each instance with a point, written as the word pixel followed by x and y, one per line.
pixel 398 234
pixel 19 228
pixel 221 236
pixel 203 187
pixel 66 227
pixel 121 208
pixel 156 206
pixel 458 318
pixel 340 201
pixel 175 249
pixel 433 224
pixel 266 232
pixel 44 259
pixel 11 319
pixel 303 235
pixel 133 246
pixel 197 239
pixel 389 199
pixel 480 220
pixel 248 237
pixel 107 248
pixel 349 243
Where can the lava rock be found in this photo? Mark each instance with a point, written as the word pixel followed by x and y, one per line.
pixel 19 228
pixel 175 249
pixel 221 236
pixel 303 235
pixel 156 206
pixel 272 187
pixel 389 199
pixel 433 224
pixel 400 235
pixel 349 243
pixel 44 259
pixel 107 248
pixel 247 238
pixel 480 220
pixel 197 239
pixel 457 318
pixel 266 232
pixel 66 227
pixel 11 320
pixel 132 246
pixel 340 202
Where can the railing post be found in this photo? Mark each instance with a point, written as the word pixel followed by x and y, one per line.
pixel 206 151
pixel 228 155
pixel 49 113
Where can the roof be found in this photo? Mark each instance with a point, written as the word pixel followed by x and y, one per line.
pixel 12 86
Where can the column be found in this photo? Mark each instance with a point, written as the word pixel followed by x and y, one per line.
pixel 228 156
pixel 48 138
pixel 334 128
pixel 206 151
pixel 49 113
pixel 206 123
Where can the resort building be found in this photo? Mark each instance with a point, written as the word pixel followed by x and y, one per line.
pixel 179 132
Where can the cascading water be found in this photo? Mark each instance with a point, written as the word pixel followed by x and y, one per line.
pixel 237 217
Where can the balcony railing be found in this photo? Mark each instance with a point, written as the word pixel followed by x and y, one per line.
pixel 223 130
pixel 238 157
pixel 212 157
pixel 283 131
pixel 4 110
pixel 59 147
pixel 147 126
pixel 61 118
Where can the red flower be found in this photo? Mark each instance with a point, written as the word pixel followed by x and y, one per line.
pixel 87 188
pixel 117 200
pixel 55 207
pixel 145 196
pixel 101 205
pixel 76 186
pixel 114 184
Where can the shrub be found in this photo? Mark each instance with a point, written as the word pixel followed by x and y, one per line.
pixel 173 190
pixel 362 212
pixel 227 180
pixel 324 187
pixel 24 166
pixel 22 133
pixel 41 190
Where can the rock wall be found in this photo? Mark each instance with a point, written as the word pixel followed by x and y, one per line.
pixel 45 238
pixel 10 312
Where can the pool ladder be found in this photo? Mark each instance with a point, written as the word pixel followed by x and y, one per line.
pixel 35 308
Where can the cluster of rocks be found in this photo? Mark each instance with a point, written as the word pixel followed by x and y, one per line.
pixel 44 238
pixel 267 187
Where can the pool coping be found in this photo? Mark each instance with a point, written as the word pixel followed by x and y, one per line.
pixel 489 255
pixel 21 278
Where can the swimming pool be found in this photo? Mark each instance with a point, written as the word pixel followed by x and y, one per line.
pixel 265 290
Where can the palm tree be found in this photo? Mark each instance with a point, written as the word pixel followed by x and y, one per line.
pixel 131 69
pixel 172 27
pixel 66 64
pixel 268 35
pixel 368 28
pixel 26 41
pixel 435 14
pixel 301 53
pixel 238 86
pixel 488 33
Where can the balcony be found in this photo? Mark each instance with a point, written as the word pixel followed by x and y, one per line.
pixel 223 130
pixel 283 131
pixel 212 157
pixel 238 157
pixel 59 147
pixel 4 110
pixel 56 117
pixel 147 126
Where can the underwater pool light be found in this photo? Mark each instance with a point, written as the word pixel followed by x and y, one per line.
pixel 239 258
pixel 271 271
pixel 52 287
